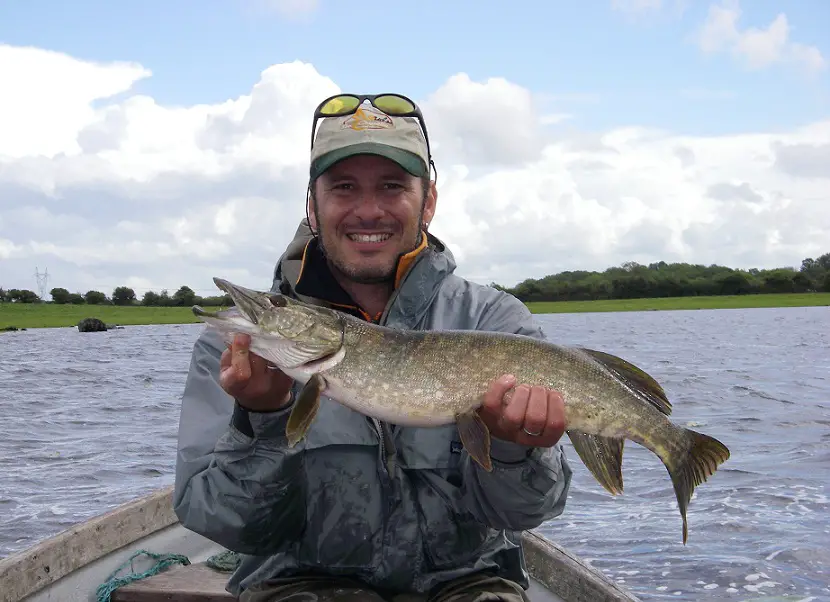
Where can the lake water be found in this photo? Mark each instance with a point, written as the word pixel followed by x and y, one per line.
pixel 89 422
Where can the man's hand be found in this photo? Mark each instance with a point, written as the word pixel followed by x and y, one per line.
pixel 255 383
pixel 526 415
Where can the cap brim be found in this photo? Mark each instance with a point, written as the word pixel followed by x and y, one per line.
pixel 407 160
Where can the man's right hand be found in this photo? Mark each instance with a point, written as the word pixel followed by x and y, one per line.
pixel 253 382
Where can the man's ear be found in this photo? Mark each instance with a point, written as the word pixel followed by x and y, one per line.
pixel 430 202
pixel 309 204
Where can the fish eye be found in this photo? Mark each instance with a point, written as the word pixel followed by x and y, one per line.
pixel 277 300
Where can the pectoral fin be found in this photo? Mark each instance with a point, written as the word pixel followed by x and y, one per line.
pixel 305 409
pixel 603 457
pixel 476 438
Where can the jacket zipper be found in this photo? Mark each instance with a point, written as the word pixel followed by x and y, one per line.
pixel 388 452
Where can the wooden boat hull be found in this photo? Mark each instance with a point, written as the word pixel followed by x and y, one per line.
pixel 71 565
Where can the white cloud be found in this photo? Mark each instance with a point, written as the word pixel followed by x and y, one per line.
pixel 490 122
pixel 132 192
pixel 755 48
pixel 8 249
pixel 47 98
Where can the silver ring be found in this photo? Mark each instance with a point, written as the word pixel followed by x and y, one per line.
pixel 531 434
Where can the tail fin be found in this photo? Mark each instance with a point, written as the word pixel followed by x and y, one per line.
pixel 701 461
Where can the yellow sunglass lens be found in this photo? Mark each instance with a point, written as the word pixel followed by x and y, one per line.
pixel 339 105
pixel 394 104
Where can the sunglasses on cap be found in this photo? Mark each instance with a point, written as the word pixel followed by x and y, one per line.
pixel 394 105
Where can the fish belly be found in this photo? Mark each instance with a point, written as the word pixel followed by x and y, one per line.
pixel 400 405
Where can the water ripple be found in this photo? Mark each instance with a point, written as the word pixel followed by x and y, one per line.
pixel 90 422
pixel 757 380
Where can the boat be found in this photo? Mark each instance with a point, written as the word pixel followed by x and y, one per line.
pixel 139 552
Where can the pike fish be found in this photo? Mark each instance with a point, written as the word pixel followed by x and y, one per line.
pixel 433 378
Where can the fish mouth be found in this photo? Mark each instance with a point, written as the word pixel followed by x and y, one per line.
pixel 217 317
pixel 250 303
pixel 204 313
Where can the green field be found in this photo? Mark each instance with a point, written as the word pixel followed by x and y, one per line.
pixel 47 315
pixel 668 303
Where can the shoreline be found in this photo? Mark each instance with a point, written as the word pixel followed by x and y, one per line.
pixel 48 315
pixel 754 301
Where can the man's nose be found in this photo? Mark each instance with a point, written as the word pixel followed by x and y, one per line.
pixel 369 207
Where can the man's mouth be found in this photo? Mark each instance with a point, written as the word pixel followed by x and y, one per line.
pixel 369 237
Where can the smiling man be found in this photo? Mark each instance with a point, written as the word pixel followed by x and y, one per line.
pixel 362 509
pixel 370 201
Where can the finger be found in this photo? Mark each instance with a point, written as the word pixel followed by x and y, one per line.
pixel 536 415
pixel 513 414
pixel 279 380
pixel 494 397
pixel 259 366
pixel 227 378
pixel 240 357
pixel 555 421
pixel 225 359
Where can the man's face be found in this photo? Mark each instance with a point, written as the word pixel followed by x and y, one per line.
pixel 367 210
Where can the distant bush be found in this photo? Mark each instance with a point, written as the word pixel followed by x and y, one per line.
pixel 630 280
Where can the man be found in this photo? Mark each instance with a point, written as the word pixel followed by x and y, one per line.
pixel 360 509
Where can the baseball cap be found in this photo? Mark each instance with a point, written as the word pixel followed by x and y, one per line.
pixel 370 131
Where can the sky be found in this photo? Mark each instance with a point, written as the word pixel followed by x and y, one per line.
pixel 159 144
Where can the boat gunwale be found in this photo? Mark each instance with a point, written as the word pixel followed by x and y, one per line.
pixel 32 570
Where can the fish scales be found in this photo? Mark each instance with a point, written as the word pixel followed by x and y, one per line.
pixel 455 368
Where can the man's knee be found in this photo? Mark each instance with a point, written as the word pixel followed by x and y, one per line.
pixel 480 588
pixel 310 589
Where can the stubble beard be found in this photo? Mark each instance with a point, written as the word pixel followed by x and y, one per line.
pixel 374 274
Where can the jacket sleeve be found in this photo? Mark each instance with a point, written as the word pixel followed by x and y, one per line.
pixel 244 491
pixel 528 485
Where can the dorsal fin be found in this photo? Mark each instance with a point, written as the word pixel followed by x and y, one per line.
pixel 634 377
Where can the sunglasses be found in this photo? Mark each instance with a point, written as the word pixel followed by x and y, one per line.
pixel 394 105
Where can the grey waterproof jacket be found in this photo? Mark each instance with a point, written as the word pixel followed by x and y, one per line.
pixel 330 504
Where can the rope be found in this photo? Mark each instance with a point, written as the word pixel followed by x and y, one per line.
pixel 225 562
pixel 113 582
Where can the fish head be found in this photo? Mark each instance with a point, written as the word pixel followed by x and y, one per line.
pixel 277 320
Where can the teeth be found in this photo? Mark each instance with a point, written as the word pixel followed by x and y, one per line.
pixel 369 237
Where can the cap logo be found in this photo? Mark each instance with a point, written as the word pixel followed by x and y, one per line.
pixel 367 118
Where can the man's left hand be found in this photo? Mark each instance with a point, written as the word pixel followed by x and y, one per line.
pixel 528 415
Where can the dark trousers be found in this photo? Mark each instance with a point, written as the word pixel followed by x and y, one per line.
pixel 471 588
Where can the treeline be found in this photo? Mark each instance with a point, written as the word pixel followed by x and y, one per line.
pixel 633 280
pixel 629 281
pixel 121 295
